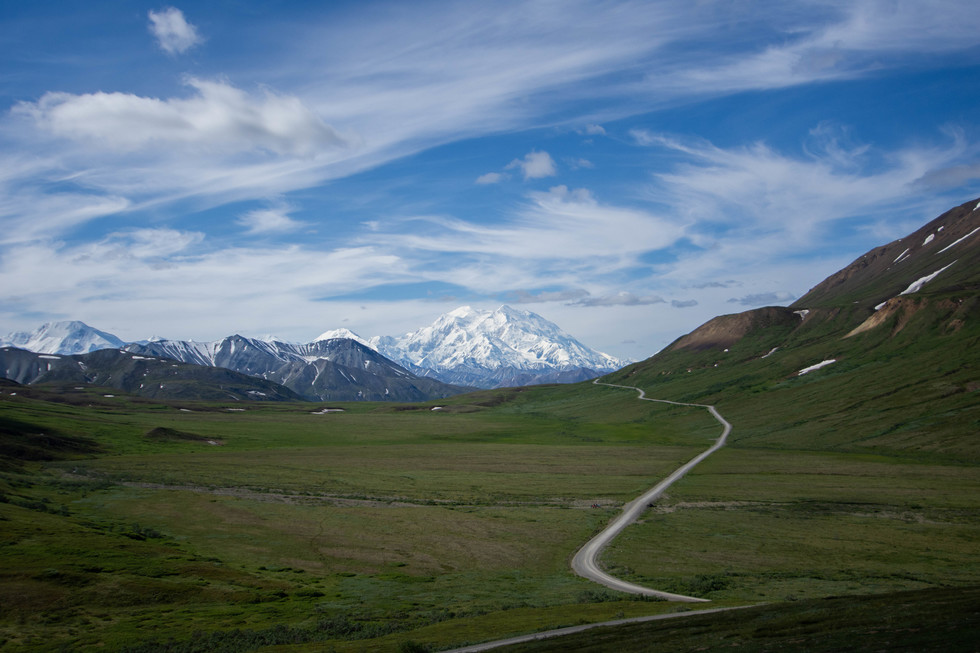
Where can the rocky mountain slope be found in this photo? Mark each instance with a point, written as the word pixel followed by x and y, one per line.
pixel 883 354
pixel 335 369
pixel 146 376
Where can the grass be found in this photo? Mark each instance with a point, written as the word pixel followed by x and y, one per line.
pixel 941 620
pixel 305 527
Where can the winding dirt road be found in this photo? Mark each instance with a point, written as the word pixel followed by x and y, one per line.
pixel 586 561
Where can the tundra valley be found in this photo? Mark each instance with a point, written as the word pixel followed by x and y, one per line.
pixel 236 514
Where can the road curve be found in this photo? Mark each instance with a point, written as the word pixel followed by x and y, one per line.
pixel 586 561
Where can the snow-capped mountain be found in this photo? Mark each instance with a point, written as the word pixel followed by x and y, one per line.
pixel 72 337
pixel 338 369
pixel 333 334
pixel 146 376
pixel 495 348
pixel 465 347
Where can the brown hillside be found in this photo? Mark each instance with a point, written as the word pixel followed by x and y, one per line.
pixel 725 330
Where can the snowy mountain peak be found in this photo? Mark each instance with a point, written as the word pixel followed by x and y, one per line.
pixel 340 333
pixel 69 337
pixel 480 341
pixel 461 312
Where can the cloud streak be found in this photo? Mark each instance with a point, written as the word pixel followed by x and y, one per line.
pixel 217 115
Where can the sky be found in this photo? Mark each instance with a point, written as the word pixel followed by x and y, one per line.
pixel 627 170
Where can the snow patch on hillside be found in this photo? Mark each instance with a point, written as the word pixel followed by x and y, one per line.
pixel 917 285
pixel 958 241
pixel 807 370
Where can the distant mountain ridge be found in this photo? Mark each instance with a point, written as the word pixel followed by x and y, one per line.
pixel 463 348
pixel 146 376
pixel 334 369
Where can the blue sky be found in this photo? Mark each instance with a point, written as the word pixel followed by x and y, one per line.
pixel 627 170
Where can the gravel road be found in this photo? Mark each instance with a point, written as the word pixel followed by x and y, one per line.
pixel 586 561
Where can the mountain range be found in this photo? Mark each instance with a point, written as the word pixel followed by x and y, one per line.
pixel 463 349
pixel 334 369
pixel 927 280
pixel 146 376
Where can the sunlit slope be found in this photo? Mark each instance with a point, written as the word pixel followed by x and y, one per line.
pixel 904 372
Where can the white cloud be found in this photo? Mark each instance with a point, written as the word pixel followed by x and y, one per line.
pixel 764 299
pixel 564 225
pixel 218 116
pixel 491 178
pixel 622 298
pixel 171 282
pixel 535 165
pixel 28 215
pixel 172 31
pixel 143 244
pixel 755 187
pixel 755 210
pixel 270 220
pixel 824 42
pixel 577 164
pixel 683 303
pixel 528 297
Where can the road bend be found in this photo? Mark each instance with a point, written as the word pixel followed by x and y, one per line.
pixel 586 561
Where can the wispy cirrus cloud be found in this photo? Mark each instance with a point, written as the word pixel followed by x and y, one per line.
pixel 133 278
pixel 544 296
pixel 560 223
pixel 622 298
pixel 271 220
pixel 491 178
pixel 763 299
pixel 821 42
pixel 756 190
